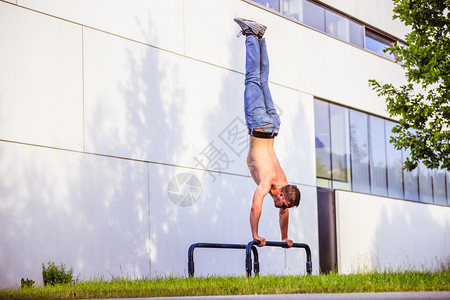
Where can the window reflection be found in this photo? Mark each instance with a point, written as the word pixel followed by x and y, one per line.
pixel 344 29
pixel 356 34
pixel 326 20
pixel 425 184
pixel 293 9
pixel 377 142
pixel 377 43
pixel 448 187
pixel 337 26
pixel 394 165
pixel 314 15
pixel 359 152
pixel 410 181
pixel 439 195
pixel 323 144
pixel 353 152
pixel 340 147
pixel 273 4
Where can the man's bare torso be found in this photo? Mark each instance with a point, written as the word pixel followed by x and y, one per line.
pixel 263 163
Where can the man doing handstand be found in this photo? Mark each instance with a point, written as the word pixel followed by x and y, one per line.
pixel 263 124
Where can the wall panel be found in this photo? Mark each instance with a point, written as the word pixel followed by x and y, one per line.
pixel 88 212
pixel 375 233
pixel 189 206
pixel 41 87
pixel 149 104
pixel 158 23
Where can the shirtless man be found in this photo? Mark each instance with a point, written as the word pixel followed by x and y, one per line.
pixel 263 124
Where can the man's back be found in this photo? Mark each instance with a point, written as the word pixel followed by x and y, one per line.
pixel 263 163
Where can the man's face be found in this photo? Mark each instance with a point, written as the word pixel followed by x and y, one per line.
pixel 280 202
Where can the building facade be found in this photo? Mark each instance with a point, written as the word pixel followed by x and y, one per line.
pixel 123 140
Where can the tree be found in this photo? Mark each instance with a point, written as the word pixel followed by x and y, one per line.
pixel 422 105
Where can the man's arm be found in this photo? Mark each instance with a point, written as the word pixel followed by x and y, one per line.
pixel 255 212
pixel 284 224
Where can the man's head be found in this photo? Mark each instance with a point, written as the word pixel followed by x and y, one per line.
pixel 289 197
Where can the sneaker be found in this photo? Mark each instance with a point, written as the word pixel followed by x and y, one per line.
pixel 249 27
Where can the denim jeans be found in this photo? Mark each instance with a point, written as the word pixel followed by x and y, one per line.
pixel 259 109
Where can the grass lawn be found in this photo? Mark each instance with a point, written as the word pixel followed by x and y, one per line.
pixel 203 286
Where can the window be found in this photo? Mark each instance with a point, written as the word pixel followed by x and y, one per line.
pixel 359 151
pixel 356 34
pixel 377 150
pixel 293 9
pixel 377 43
pixel 273 4
pixel 425 184
pixel 344 29
pixel 331 22
pixel 314 15
pixel 448 187
pixel 394 165
pixel 323 143
pixel 353 152
pixel 439 189
pixel 340 147
pixel 332 146
pixel 411 182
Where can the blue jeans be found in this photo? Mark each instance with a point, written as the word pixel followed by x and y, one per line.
pixel 260 113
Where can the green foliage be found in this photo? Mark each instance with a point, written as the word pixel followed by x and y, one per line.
pixel 422 105
pixel 53 275
pixel 28 283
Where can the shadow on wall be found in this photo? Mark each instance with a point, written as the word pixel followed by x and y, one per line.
pixel 414 237
pixel 133 98
pixel 382 234
pixel 211 136
pixel 95 213
pixel 165 108
pixel 86 211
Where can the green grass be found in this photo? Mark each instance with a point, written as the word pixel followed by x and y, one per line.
pixel 165 287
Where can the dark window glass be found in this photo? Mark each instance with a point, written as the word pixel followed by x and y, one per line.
pixel 273 4
pixel 314 15
pixel 359 151
pixel 425 184
pixel 340 147
pixel 411 182
pixel 377 43
pixel 377 150
pixel 439 191
pixel 323 143
pixel 394 165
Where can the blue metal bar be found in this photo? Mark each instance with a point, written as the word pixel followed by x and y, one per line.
pixel 248 258
pixel 223 246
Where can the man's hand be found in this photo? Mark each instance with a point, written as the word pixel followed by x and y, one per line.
pixel 262 241
pixel 288 242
